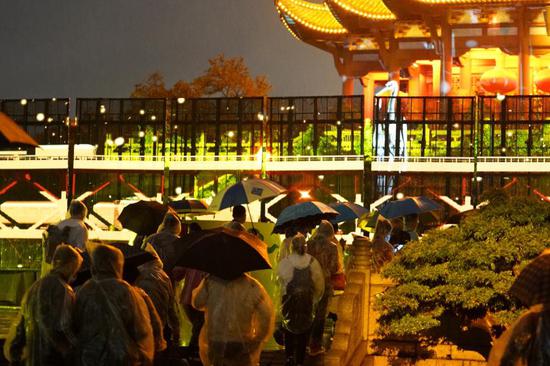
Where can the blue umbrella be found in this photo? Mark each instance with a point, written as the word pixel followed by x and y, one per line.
pixel 245 192
pixel 311 212
pixel 348 211
pixel 408 206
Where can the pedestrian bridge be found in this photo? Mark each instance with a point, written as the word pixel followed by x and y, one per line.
pixel 297 163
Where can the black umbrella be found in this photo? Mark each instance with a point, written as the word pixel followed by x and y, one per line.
pixel 11 135
pixel 222 252
pixel 305 213
pixel 143 217
pixel 133 258
pixel 189 205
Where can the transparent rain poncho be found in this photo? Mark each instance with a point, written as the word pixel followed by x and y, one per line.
pixel 41 334
pixel 112 320
pixel 526 341
pixel 239 319
pixel 157 285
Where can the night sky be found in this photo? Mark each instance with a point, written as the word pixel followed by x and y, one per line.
pixel 101 48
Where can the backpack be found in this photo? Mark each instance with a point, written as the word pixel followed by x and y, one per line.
pixel 52 238
pixel 297 305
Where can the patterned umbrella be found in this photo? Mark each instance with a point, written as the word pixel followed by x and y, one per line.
pixel 246 191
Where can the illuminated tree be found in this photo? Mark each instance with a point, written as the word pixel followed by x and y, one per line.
pixel 227 77
pixel 453 284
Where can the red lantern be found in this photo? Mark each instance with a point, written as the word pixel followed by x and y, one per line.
pixel 542 81
pixel 498 81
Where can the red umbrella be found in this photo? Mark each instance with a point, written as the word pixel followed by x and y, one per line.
pixel 13 135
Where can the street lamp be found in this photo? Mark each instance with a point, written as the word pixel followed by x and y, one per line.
pixel 230 134
pixel 155 138
pixel 119 143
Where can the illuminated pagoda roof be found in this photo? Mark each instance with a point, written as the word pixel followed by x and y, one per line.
pixel 404 8
pixel 302 17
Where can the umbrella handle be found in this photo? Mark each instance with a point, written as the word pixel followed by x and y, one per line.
pixel 250 214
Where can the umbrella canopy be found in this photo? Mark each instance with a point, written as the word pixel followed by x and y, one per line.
pixel 133 258
pixel 408 206
pixel 142 217
pixel 347 211
pixel 11 135
pixel 246 191
pixel 223 252
pixel 532 286
pixel 311 212
pixel 189 205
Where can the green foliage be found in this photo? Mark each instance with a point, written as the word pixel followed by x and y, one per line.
pixel 464 272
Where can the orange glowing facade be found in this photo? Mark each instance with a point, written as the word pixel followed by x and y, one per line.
pixel 432 47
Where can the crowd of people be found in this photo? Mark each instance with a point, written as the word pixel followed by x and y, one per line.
pixel 109 321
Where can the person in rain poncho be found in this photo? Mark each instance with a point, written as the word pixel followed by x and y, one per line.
pixel 285 248
pixel 526 342
pixel 382 251
pixel 164 240
pixel 239 318
pixel 41 334
pixel 296 339
pixel 157 285
pixel 112 320
pixel 322 246
pixel 239 218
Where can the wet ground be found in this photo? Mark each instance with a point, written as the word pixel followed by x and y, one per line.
pixel 268 358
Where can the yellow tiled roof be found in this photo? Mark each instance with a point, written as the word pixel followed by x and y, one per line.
pixel 317 17
pixel 373 9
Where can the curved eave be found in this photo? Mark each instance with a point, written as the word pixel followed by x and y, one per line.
pixel 359 23
pixel 411 9
pixel 370 10
pixel 466 3
pixel 316 18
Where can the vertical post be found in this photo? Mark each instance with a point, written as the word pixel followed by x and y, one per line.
pixel 263 144
pixel 71 125
pixel 347 86
pixel 476 142
pixel 446 70
pixel 524 58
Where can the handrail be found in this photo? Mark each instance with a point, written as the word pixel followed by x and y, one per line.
pixel 460 159
pixel 291 158
pixel 327 158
